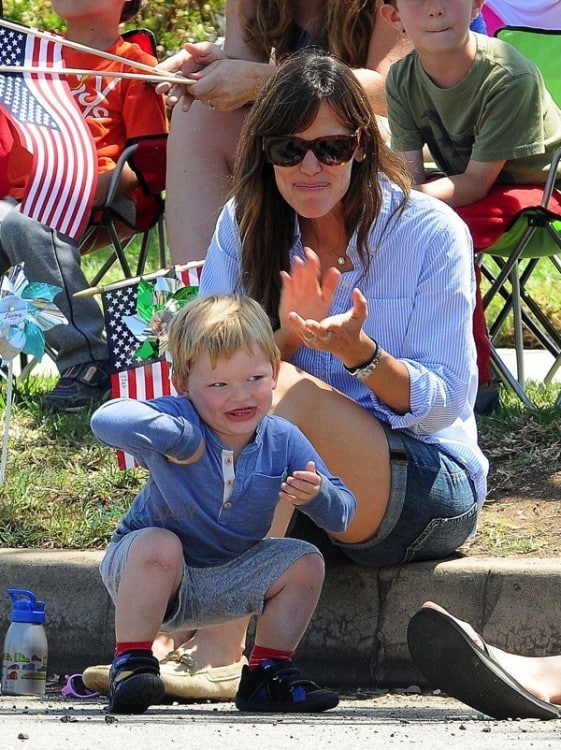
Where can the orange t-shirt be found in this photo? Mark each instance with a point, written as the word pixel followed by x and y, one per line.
pixel 118 111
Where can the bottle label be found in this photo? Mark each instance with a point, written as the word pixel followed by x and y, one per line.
pixel 23 673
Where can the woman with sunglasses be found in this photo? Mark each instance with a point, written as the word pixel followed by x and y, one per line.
pixel 370 289
pixel 206 124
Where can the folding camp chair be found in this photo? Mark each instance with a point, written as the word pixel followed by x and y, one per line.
pixel 532 237
pixel 121 219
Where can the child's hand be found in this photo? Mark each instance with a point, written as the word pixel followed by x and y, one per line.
pixel 302 486
pixel 196 456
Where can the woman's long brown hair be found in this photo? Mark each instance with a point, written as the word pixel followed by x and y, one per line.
pixel 289 104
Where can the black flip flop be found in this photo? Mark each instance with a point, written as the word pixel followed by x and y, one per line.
pixel 452 662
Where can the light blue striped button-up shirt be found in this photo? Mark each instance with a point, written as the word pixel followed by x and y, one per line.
pixel 420 292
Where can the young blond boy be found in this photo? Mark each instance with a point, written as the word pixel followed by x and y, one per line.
pixel 192 552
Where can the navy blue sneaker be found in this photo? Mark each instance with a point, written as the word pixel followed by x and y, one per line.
pixel 278 686
pixel 135 683
pixel 78 387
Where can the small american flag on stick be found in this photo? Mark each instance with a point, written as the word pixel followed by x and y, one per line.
pixel 132 377
pixel 41 109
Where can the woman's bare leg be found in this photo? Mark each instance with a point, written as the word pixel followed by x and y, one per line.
pixel 540 675
pixel 350 441
pixel 201 150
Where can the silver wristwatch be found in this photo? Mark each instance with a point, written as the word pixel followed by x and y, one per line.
pixel 364 371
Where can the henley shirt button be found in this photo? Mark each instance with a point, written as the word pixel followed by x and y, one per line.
pixel 227 505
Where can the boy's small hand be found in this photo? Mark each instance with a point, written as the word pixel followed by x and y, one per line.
pixel 301 487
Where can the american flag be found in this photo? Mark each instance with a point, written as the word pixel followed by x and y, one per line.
pixel 49 123
pixel 132 377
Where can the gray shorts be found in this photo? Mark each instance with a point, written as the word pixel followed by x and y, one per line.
pixel 213 595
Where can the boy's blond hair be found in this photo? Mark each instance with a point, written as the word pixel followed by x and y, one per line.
pixel 218 325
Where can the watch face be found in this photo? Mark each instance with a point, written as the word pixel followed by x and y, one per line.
pixel 366 372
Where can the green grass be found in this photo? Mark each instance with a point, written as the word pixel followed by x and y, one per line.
pixel 61 487
pixel 64 490
pixel 544 286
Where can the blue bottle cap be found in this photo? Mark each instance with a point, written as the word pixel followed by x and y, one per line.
pixel 25 607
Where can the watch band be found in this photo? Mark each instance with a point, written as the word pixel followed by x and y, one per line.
pixel 364 371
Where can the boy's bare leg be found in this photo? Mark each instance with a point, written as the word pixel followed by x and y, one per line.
pixel 290 604
pixel 224 644
pixel 150 580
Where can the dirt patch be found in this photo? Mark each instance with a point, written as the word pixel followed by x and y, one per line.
pixel 522 515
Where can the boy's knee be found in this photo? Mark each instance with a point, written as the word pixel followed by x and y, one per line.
pixel 156 547
pixel 310 568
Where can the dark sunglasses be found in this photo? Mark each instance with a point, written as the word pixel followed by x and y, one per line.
pixel 288 150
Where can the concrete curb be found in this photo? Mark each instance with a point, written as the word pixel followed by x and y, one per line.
pixel 357 637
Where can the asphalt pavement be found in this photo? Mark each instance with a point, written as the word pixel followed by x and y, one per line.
pixel 359 722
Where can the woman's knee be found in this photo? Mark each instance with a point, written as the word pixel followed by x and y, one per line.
pixel 203 134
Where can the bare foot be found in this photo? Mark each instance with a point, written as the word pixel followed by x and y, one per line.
pixel 166 642
pixel 540 675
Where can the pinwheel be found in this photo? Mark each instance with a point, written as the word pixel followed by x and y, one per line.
pixel 156 305
pixel 26 312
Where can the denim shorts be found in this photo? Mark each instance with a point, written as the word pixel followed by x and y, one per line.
pixel 432 508
pixel 219 593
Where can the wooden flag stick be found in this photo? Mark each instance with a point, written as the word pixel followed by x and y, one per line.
pixel 83 48
pixel 153 76
pixel 129 282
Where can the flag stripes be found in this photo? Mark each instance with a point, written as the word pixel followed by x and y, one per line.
pixel 49 123
pixel 131 377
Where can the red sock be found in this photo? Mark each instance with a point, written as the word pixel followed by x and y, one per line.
pixel 262 653
pixel 123 646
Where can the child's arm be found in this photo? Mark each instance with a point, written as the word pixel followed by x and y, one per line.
pixel 455 190
pixel 415 166
pixel 314 490
pixel 142 428
pixel 466 188
pixel 128 181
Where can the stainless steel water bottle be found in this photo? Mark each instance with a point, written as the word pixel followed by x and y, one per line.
pixel 24 661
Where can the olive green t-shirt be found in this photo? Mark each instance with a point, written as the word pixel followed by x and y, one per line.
pixel 501 110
